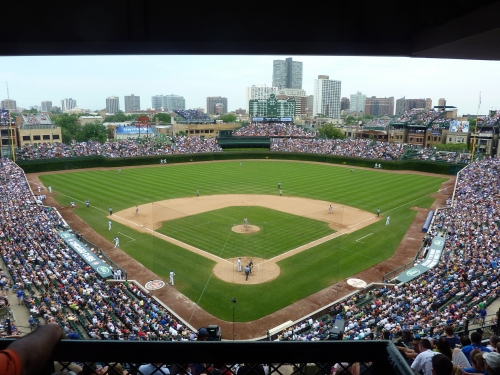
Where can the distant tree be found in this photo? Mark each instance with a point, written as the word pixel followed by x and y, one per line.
pixel 121 117
pixel 330 131
pixel 32 110
pixel 228 118
pixel 94 131
pixel 368 117
pixel 163 117
pixel 349 120
pixel 472 124
pixel 69 126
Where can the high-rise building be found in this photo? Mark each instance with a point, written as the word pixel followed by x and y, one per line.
pixel 441 102
pixel 379 106
pixel 357 103
pixel 158 102
pixel 112 104
pixel 68 104
pixel 132 103
pixel 46 106
pixel 310 103
pixel 216 105
pixel 9 104
pixel 175 102
pixel 403 105
pixel 326 97
pixel 287 74
pixel 260 92
pixel 345 104
pixel 428 103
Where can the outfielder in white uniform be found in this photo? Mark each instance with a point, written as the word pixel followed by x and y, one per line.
pixel 388 220
pixel 172 274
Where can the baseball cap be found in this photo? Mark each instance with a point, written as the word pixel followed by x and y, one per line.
pixel 492 360
pixel 203 331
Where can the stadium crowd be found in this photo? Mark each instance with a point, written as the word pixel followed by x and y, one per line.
pixel 193 114
pixel 274 129
pixel 365 148
pixel 457 290
pixel 57 285
pixel 119 149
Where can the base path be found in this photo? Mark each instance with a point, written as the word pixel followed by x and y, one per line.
pixel 188 310
pixel 343 219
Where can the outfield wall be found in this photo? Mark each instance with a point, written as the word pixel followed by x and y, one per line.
pixel 46 165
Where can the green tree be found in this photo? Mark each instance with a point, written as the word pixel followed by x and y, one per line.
pixel 33 110
pixel 94 131
pixel 330 131
pixel 472 124
pixel 69 126
pixel 368 117
pixel 320 115
pixel 228 118
pixel 121 117
pixel 163 117
pixel 349 120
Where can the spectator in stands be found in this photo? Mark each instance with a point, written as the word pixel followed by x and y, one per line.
pixel 476 339
pixel 451 337
pixel 441 365
pixel 423 360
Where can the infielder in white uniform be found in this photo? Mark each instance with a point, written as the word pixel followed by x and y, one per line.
pixel 117 242
pixel 239 264
pixel 245 222
pixel 388 220
pixel 331 209
pixel 172 274
pixel 109 224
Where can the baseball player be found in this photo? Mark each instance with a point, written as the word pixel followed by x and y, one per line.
pixel 50 189
pixel 73 204
pixel 378 212
pixel 117 242
pixel 119 170
pixel 245 222
pixel 239 264
pixel 110 210
pixel 87 203
pixel 39 188
pixel 137 210
pixel 172 274
pixel 279 185
pixel 109 224
pixel 197 193
pixel 281 192
pixel 387 220
pixel 331 209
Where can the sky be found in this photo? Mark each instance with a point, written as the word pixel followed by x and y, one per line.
pixel 91 79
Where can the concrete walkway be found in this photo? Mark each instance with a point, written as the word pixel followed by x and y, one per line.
pixel 20 312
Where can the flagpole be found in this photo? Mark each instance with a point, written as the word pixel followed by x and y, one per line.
pixel 11 139
pixel 475 129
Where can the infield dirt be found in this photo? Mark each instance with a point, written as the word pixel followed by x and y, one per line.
pixel 197 317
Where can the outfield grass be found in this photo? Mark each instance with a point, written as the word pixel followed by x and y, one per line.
pixel 279 231
pixel 302 274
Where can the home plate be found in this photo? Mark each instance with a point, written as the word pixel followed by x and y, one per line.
pixel 357 283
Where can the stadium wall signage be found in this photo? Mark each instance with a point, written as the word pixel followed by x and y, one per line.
pixel 431 261
pixel 92 260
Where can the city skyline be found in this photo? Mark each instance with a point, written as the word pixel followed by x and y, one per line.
pixel 94 78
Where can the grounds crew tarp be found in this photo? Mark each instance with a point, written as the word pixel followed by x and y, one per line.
pixel 93 261
pixel 431 260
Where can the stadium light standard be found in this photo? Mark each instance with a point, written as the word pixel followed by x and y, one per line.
pixel 233 300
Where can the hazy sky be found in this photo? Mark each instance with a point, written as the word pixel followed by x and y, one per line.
pixel 91 79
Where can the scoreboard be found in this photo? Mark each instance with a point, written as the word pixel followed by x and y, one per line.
pixel 272 108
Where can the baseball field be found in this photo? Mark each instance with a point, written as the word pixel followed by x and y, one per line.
pixel 298 245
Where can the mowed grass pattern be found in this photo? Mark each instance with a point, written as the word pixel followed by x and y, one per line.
pixel 279 231
pixel 302 274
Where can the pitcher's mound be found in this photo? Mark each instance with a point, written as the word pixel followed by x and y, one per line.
pixel 263 271
pixel 245 229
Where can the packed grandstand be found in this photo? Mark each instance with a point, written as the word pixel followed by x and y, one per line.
pixel 60 287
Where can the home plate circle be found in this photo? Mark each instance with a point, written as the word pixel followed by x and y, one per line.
pixel 155 284
pixel 357 283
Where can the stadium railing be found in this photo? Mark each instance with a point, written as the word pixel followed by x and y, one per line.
pixel 304 358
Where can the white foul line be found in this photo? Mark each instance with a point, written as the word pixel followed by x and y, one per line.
pixel 358 240
pixel 133 239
